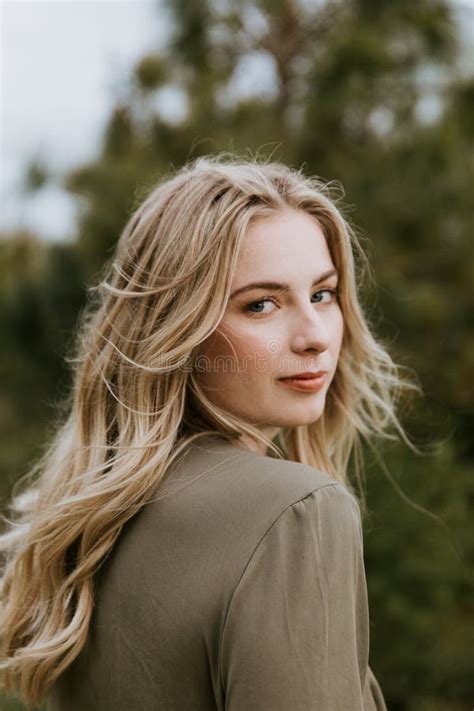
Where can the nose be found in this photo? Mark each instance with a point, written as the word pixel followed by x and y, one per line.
pixel 310 331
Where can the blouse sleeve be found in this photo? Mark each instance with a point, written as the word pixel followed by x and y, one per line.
pixel 296 635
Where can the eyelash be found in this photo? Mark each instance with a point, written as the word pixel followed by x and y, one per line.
pixel 246 308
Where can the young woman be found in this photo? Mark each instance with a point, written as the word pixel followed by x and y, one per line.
pixel 191 539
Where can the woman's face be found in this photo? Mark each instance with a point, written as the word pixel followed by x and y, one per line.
pixel 291 326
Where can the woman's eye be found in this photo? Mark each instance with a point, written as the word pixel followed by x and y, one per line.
pixel 254 307
pixel 250 307
pixel 331 293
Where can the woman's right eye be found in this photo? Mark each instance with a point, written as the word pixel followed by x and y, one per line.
pixel 249 307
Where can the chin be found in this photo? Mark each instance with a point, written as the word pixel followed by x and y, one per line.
pixel 306 418
pixel 297 420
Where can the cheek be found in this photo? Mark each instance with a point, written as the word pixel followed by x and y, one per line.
pixel 215 345
pixel 337 331
pixel 243 352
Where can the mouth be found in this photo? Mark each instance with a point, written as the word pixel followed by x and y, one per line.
pixel 305 382
pixel 305 376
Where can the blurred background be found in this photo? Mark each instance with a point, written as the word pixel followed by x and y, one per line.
pixel 99 99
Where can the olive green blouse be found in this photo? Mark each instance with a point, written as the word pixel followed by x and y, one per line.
pixel 243 588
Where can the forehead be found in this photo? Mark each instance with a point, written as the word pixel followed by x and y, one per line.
pixel 286 241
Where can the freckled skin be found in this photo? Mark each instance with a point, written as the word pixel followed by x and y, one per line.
pixel 297 331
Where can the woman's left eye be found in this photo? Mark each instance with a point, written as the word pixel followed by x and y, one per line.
pixel 330 293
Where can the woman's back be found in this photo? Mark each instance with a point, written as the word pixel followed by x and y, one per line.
pixel 243 588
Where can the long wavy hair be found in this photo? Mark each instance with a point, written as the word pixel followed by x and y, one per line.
pixel 136 403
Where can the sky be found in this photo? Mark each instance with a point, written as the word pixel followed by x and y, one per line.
pixel 62 63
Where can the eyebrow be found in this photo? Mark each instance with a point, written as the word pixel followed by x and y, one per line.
pixel 276 286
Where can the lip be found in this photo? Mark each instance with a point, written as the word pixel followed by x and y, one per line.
pixel 305 384
pixel 308 374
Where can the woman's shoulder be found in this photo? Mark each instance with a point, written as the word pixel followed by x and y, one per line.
pixel 217 472
pixel 217 507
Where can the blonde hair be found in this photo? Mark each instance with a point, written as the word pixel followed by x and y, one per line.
pixel 136 402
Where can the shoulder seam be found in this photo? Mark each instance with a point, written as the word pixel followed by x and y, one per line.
pixel 297 501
